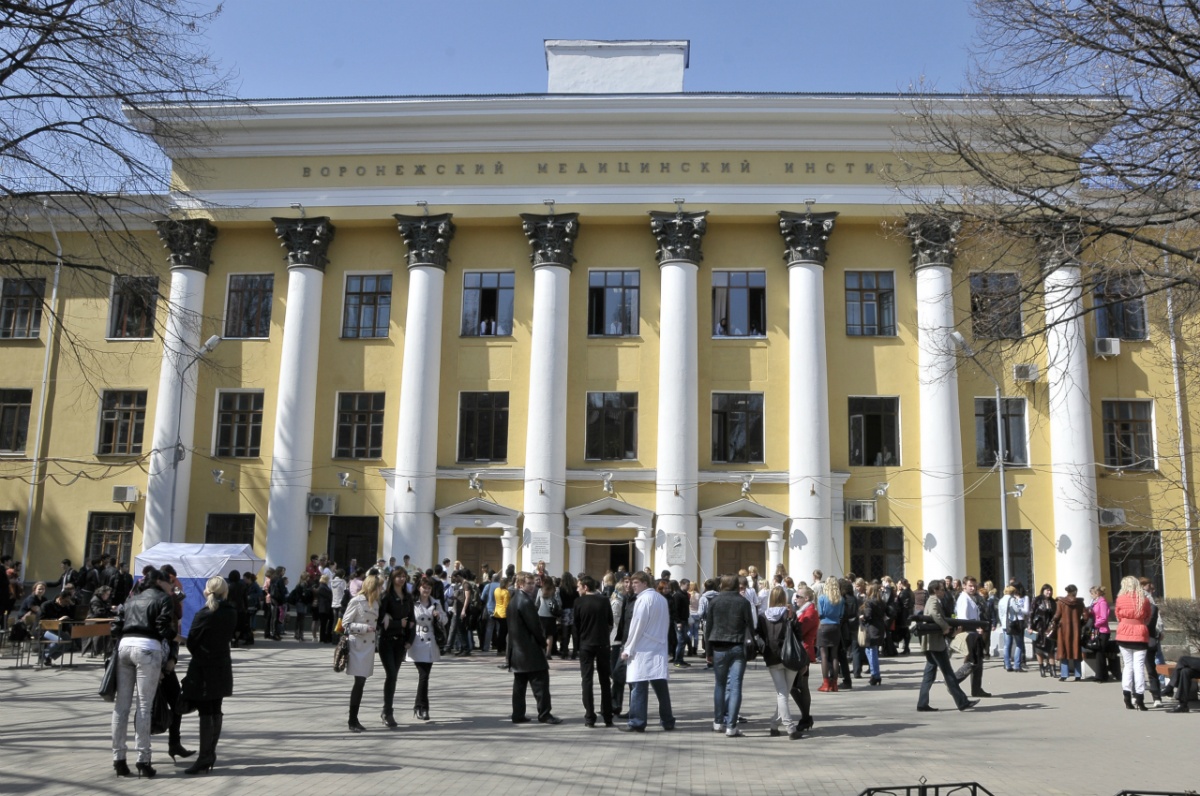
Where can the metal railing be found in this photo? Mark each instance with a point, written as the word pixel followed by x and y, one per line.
pixel 927 789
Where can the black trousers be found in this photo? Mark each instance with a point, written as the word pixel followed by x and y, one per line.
pixel 617 668
pixel 975 647
pixel 800 693
pixel 421 702
pixel 540 682
pixel 591 662
pixel 356 696
pixel 391 655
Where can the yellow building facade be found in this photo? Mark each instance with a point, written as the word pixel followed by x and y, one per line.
pixel 594 327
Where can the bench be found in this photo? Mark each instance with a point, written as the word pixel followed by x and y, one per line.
pixel 68 632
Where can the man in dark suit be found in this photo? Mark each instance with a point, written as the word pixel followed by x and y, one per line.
pixel 933 644
pixel 526 655
pixel 69 576
pixel 594 621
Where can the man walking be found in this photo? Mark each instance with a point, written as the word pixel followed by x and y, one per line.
pixel 526 657
pixel 645 653
pixel 593 621
pixel 728 621
pixel 933 644
pixel 967 607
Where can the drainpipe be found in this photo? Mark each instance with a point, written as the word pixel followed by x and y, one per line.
pixel 43 404
pixel 1183 451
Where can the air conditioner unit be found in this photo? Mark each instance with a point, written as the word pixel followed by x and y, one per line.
pixel 1025 372
pixel 125 494
pixel 1108 347
pixel 322 504
pixel 860 510
pixel 1111 517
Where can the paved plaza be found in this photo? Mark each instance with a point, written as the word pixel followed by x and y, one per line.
pixel 285 732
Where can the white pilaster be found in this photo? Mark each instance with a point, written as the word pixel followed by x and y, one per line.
pixel 510 542
pixel 708 552
pixel 643 543
pixel 1072 452
pixel 774 550
pixel 447 544
pixel 576 550
pixel 943 521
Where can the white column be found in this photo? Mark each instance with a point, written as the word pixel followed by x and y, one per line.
pixel 413 521
pixel 774 550
pixel 676 531
pixel 577 550
pixel 1072 452
pixel 551 238
pixel 708 552
pixel 190 245
pixel 447 544
pixel 509 544
pixel 943 521
pixel 810 543
pixel 295 409
pixel 642 545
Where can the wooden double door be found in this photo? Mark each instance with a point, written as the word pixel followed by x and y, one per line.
pixel 734 556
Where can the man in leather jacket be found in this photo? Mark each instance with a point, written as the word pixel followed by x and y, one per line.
pixel 728 621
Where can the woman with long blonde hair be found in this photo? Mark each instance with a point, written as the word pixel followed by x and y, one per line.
pixel 209 676
pixel 1133 638
pixel 829 633
pixel 359 622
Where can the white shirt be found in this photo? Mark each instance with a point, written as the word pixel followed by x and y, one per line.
pixel 646 644
pixel 965 607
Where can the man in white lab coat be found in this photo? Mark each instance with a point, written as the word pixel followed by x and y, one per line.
pixel 645 654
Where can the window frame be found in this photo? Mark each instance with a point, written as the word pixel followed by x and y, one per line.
pixel 879 304
pixel 9 521
pixel 1104 307
pixel 380 274
pixel 1137 463
pixel 726 435
pixel 136 440
pixel 217 412
pixel 228 300
pixel 994 304
pixel 750 290
pixel 899 430
pixel 231 533
pixel 15 407
pixel 33 327
pixel 859 555
pixel 988 424
pixel 625 410
pixel 93 550
pixel 602 291
pixel 337 423
pixel 459 450
pixel 116 299
pixel 500 289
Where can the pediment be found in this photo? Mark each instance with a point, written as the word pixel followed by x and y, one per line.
pixel 478 507
pixel 743 508
pixel 609 507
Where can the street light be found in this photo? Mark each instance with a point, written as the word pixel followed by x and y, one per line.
pixel 961 342
pixel 180 452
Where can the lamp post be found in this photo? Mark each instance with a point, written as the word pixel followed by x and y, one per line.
pixel 180 452
pixel 961 342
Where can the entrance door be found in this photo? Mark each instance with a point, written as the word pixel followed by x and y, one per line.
pixel 601 557
pixel 353 539
pixel 475 551
pixel 735 556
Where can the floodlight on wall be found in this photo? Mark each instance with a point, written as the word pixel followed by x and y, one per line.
pixel 474 484
pixel 746 481
pixel 881 489
pixel 299 208
pixel 549 203
pixel 608 484
pixel 679 202
pixel 1018 490
pixel 345 480
pixel 219 478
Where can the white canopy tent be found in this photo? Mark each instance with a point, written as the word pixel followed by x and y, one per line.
pixel 195 564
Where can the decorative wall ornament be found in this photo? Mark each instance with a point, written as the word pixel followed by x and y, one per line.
pixel 678 234
pixel 934 240
pixel 806 235
pixel 427 238
pixel 1059 242
pixel 552 238
pixel 189 242
pixel 306 240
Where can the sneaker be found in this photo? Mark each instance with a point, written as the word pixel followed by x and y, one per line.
pixel 718 727
pixel 734 732
pixel 1156 704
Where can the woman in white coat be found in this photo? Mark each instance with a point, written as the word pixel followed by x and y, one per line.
pixel 424 651
pixel 360 622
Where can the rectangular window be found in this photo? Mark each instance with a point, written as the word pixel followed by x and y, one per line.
pixel 874 432
pixel 875 552
pixel 1121 307
pixel 1129 434
pixel 1016 451
pixel 359 426
pixel 368 308
pixel 248 306
pixel 133 301
pixel 870 304
pixel 613 303
pixel 14 419
pixel 487 303
pixel 109 533
pixel 239 424
pixel 995 306
pixel 1137 553
pixel 229 529
pixel 739 303
pixel 21 308
pixel 1020 556
pixel 737 427
pixel 611 425
pixel 122 421
pixel 8 533
pixel 483 427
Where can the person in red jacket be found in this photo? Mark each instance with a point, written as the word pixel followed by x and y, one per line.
pixel 1133 636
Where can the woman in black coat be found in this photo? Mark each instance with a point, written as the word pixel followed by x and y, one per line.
pixel 323 600
pixel 210 673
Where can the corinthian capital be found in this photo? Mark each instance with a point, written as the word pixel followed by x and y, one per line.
pixel 678 234
pixel 189 242
pixel 306 240
pixel 552 238
pixel 934 240
pixel 805 235
pixel 427 238
pixel 1059 242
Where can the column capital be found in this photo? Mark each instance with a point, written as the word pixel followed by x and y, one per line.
pixel 552 238
pixel 678 234
pixel 1059 243
pixel 806 235
pixel 306 240
pixel 934 240
pixel 427 238
pixel 189 242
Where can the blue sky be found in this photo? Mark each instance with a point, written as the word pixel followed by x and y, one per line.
pixel 304 48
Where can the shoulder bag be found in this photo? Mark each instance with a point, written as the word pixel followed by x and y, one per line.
pixel 792 653
pixel 341 653
pixel 108 681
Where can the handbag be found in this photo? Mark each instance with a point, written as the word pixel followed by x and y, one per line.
pixel 160 713
pixel 862 634
pixel 792 654
pixel 341 654
pixel 338 627
pixel 108 681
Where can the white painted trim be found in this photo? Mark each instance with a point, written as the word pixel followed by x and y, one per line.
pixel 593 509
pixel 742 505
pixel 478 507
pixel 100 422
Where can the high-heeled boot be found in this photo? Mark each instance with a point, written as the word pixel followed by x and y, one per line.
pixel 1128 700
pixel 1140 701
pixel 208 745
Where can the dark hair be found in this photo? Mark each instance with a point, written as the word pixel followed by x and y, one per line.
pixel 568 581
pixel 169 570
pixel 588 582
pixel 729 582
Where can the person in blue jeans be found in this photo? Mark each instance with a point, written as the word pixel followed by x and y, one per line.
pixel 645 655
pixel 728 622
